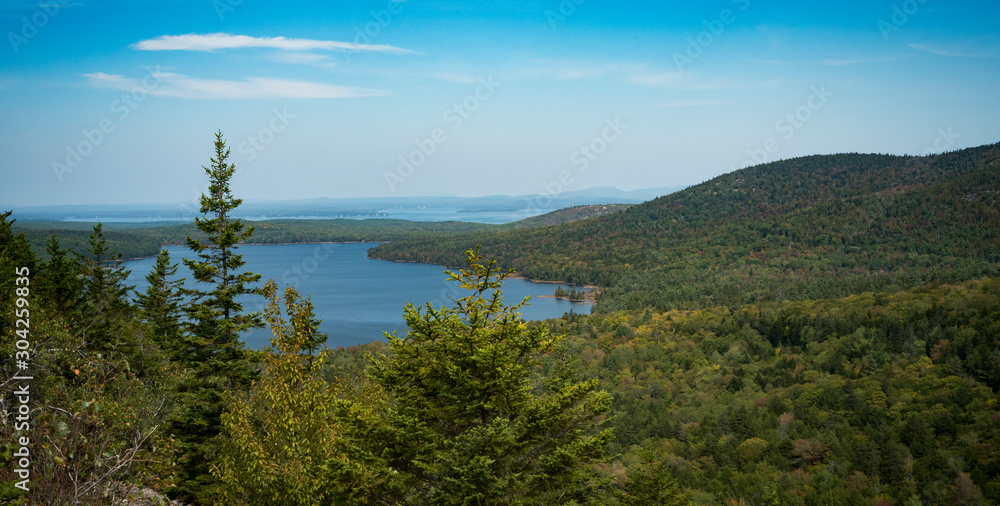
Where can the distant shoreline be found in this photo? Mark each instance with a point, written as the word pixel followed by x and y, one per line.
pixel 267 244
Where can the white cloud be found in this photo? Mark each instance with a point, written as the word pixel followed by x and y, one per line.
pixel 214 41
pixel 176 85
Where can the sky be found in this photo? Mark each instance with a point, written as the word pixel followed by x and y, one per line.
pixel 117 102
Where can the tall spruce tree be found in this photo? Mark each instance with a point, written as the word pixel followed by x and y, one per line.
pixel 478 419
pixel 217 317
pixel 105 293
pixel 212 353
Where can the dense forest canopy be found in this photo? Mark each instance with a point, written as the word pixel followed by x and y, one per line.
pixel 818 226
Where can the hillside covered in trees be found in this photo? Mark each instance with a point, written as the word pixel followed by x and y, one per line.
pixel 812 227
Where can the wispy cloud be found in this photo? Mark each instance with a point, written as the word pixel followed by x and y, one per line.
pixel 176 85
pixel 216 41
pixel 955 51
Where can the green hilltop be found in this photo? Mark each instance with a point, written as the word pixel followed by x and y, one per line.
pixel 804 228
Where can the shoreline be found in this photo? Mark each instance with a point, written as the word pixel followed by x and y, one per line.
pixel 578 301
pixel 512 276
pixel 590 299
pixel 268 244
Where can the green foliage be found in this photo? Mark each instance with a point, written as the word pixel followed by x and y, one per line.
pixel 732 380
pixel 805 228
pixel 14 254
pixel 212 353
pixel 98 430
pixel 160 305
pixel 105 295
pixel 283 443
pixel 60 279
pixel 650 484
pixel 571 294
pixel 474 424
pixel 98 395
pixel 875 397
pixel 216 317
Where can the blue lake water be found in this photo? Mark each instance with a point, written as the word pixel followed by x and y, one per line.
pixel 357 298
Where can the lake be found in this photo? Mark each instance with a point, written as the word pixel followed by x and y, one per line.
pixel 357 298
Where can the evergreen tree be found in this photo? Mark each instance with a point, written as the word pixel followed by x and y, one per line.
pixel 650 484
pixel 216 315
pixel 477 421
pixel 216 361
pixel 58 280
pixel 160 305
pixel 105 294
pixel 15 253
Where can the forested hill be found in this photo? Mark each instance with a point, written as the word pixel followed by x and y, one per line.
pixel 804 228
pixel 567 215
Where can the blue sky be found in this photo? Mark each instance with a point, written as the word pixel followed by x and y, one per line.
pixel 108 101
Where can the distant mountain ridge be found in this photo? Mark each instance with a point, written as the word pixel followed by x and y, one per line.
pixel 810 227
pixel 327 208
pixel 143 240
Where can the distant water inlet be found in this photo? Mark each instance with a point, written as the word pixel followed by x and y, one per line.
pixel 358 298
